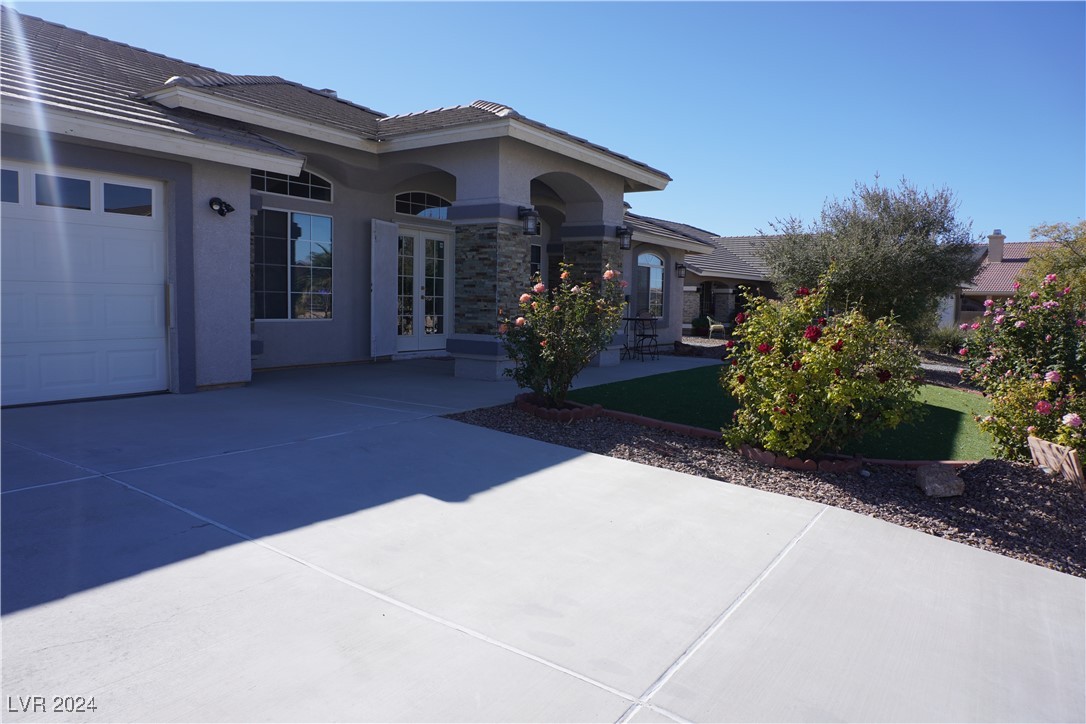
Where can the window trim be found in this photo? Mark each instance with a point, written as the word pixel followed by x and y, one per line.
pixel 290 309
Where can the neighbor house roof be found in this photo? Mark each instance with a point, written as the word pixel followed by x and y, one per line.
pixel 72 72
pixel 733 257
pixel 689 238
pixel 998 277
pixel 75 72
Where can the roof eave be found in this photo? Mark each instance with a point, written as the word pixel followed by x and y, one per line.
pixel 22 114
pixel 196 100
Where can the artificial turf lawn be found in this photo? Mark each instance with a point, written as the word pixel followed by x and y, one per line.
pixel 946 431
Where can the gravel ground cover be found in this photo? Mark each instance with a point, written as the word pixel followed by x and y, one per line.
pixel 1013 509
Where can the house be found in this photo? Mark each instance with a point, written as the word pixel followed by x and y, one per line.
pixel 715 280
pixel 1001 263
pixel 170 227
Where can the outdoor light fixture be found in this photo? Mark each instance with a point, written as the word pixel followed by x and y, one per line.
pixel 219 206
pixel 680 270
pixel 530 217
pixel 624 235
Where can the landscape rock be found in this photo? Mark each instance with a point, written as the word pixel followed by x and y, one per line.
pixel 939 481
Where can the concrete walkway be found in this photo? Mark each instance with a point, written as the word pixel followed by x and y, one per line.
pixel 323 546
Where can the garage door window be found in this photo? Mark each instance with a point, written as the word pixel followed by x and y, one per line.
pixel 128 200
pixel 9 186
pixel 62 191
pixel 291 265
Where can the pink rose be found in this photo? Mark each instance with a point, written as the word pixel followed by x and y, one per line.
pixel 525 298
pixel 609 274
pixel 1016 286
pixel 963 351
pixel 555 308
pixel 975 325
pixel 1044 407
pixel 623 284
pixel 520 321
pixel 1053 376
pixel 999 319
pixel 1020 324
pixel 988 302
pixel 543 343
pixel 1033 295
pixel 1050 278
pixel 539 288
pixel 963 326
pixel 565 275
pixel 1072 419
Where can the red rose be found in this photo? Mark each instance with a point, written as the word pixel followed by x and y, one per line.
pixel 764 348
pixel 802 292
pixel 812 333
pixel 741 379
pixel 838 345
pixel 730 343
pixel 837 371
pixel 740 318
pixel 796 366
pixel 735 363
pixel 822 321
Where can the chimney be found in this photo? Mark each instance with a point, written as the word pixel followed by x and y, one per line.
pixel 995 246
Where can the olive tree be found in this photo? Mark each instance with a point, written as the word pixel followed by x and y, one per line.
pixel 896 252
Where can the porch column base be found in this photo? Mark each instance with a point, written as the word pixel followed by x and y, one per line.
pixel 478 357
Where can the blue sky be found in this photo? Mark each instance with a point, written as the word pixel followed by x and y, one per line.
pixel 757 110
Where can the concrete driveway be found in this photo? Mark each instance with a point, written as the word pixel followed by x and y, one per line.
pixel 323 546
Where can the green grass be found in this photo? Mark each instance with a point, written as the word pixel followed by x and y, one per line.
pixel 946 431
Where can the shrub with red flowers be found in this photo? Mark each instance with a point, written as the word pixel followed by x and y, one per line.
pixel 1028 354
pixel 558 331
pixel 809 382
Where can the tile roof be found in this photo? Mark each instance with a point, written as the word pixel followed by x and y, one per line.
pixel 76 71
pixel 733 257
pixel 481 112
pixel 670 229
pixel 70 70
pixel 999 277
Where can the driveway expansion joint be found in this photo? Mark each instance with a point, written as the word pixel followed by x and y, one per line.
pixel 718 622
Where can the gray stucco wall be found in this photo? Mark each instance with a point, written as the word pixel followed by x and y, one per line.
pixel 221 274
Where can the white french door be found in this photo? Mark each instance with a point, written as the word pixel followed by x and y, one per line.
pixel 423 309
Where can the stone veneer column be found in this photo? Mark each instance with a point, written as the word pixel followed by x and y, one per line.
pixel 590 257
pixel 492 270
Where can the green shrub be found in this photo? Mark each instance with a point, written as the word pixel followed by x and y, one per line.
pixel 808 382
pixel 946 340
pixel 558 331
pixel 1029 355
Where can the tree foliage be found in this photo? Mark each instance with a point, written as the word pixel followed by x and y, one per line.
pixel 1066 257
pixel 896 252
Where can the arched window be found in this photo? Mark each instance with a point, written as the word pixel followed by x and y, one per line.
pixel 303 186
pixel 650 285
pixel 420 203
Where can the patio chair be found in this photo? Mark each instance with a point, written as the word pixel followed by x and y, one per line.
pixel 715 326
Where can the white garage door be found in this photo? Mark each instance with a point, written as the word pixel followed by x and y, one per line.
pixel 83 283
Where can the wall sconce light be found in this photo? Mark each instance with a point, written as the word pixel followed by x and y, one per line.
pixel 219 206
pixel 530 218
pixel 624 234
pixel 680 270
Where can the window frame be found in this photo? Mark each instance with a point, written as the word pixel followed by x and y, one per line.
pixel 309 184
pixel 289 271
pixel 418 215
pixel 644 297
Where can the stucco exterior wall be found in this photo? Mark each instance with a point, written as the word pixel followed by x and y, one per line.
pixel 221 274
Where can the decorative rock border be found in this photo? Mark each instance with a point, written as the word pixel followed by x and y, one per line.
pixel 826 465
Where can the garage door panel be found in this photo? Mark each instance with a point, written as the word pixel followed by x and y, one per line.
pixel 42 372
pixel 47 312
pixel 83 293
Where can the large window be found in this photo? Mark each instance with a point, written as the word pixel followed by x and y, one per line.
pixel 303 186
pixel 650 285
pixel 291 265
pixel 420 203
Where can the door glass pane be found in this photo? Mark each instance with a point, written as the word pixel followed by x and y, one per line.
pixel 435 279
pixel 405 298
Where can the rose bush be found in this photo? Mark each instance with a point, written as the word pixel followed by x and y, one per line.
pixel 558 331
pixel 808 382
pixel 1028 354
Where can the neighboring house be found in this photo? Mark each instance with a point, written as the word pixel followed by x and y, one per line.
pixel 170 227
pixel 714 280
pixel 1001 263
